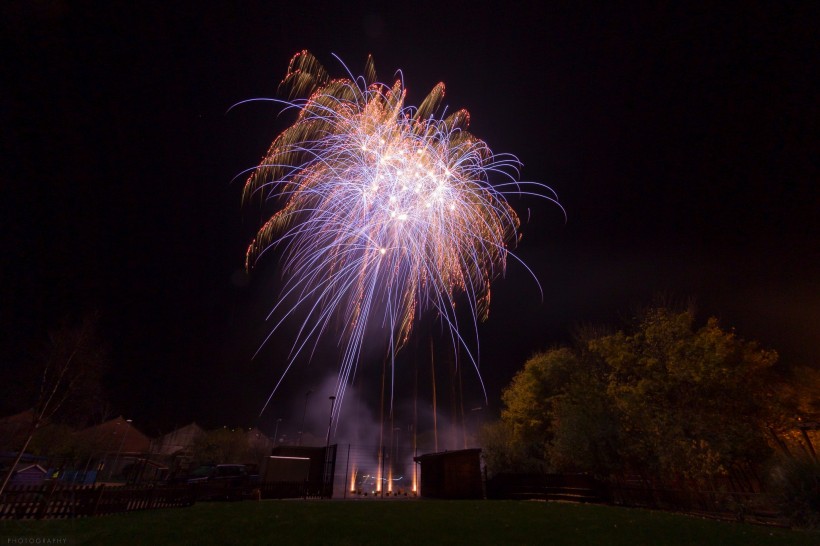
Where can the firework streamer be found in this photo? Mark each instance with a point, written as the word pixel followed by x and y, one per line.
pixel 383 212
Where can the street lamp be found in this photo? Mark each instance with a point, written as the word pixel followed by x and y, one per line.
pixel 327 472
pixel 476 422
pixel 394 457
pixel 119 450
pixel 276 431
pixel 330 424
pixel 304 411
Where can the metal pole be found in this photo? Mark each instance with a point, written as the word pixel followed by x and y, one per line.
pixel 380 459
pixel 476 425
pixel 382 466
pixel 394 459
pixel 276 431
pixel 435 416
pixel 330 423
pixel 119 450
pixel 327 446
pixel 304 411
pixel 347 469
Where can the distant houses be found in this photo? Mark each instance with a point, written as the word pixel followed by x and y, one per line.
pixel 177 442
pixel 114 451
pixel 116 436
pixel 176 448
pixel 115 445
pixel 259 442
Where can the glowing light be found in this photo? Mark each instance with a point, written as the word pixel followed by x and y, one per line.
pixel 441 249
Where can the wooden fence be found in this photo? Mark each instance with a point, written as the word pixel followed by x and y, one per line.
pixel 55 500
pixel 564 487
pixel 724 503
pixel 749 506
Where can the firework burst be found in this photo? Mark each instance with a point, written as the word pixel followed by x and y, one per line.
pixel 383 212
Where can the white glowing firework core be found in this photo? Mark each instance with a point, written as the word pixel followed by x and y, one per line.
pixel 400 184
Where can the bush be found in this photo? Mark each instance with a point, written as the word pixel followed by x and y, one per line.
pixel 796 482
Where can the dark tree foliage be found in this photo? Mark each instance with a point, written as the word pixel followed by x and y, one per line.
pixel 224 445
pixel 67 381
pixel 796 484
pixel 663 399
pixel 72 364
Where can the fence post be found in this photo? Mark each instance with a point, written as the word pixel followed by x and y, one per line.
pixel 347 470
pixel 95 508
pixel 47 491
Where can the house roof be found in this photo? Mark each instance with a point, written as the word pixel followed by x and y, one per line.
pixel 117 435
pixel 177 440
pixel 191 430
pixel 31 467
pixel 15 428
pixel 24 417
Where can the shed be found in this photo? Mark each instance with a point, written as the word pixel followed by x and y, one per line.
pixel 451 474
pixel 316 456
pixel 277 468
pixel 320 466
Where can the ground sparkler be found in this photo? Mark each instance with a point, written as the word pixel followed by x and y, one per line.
pixel 384 211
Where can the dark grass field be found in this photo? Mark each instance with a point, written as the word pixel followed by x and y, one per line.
pixel 399 522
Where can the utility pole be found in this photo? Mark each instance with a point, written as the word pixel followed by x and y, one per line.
pixel 328 477
pixel 276 431
pixel 304 412
pixel 330 423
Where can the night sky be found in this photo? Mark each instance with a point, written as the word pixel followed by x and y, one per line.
pixel 681 139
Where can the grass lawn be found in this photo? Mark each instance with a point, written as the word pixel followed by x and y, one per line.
pixel 397 522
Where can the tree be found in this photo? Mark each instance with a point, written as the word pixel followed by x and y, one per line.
pixel 531 399
pixel 586 432
pixel 691 403
pixel 222 445
pixel 557 417
pixel 56 440
pixel 662 398
pixel 70 369
pixel 502 452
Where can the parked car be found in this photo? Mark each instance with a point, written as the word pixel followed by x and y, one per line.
pixel 223 481
pixel 236 473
